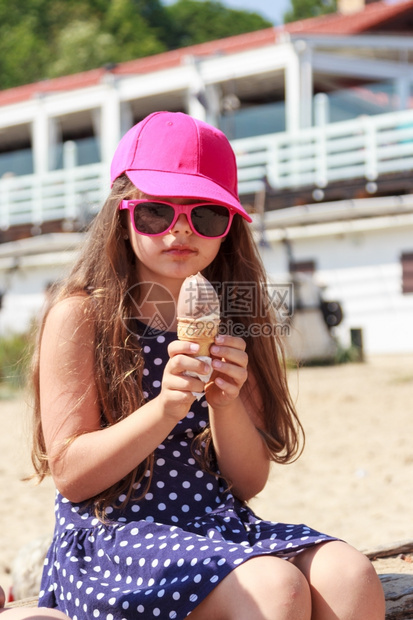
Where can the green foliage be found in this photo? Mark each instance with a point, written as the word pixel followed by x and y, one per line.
pixel 80 46
pixel 197 21
pixel 22 53
pixel 15 353
pixel 349 354
pixel 132 24
pixel 342 355
pixel 40 39
pixel 303 9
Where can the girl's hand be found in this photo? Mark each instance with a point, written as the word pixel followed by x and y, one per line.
pixel 176 390
pixel 230 363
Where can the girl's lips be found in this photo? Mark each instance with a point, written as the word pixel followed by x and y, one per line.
pixel 181 251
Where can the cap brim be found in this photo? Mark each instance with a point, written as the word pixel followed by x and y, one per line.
pixel 175 185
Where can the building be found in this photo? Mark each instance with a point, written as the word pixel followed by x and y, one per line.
pixel 320 115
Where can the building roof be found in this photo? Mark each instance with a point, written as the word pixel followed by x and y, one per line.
pixel 373 18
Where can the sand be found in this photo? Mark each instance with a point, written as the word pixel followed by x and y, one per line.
pixel 354 479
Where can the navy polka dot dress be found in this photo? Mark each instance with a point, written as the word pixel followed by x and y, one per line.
pixel 162 555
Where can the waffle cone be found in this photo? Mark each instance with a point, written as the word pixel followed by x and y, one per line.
pixel 200 331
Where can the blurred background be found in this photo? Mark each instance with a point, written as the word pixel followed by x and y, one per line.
pixel 316 99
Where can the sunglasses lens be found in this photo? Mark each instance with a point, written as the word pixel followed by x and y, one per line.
pixel 152 218
pixel 210 220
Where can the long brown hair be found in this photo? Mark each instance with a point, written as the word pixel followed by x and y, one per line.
pixel 105 270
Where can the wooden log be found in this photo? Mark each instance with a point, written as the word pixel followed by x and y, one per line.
pixel 398 591
pixel 394 564
pixel 389 550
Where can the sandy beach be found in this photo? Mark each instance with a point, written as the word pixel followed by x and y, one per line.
pixel 354 479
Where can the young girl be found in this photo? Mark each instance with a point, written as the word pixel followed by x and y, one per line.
pixel 151 511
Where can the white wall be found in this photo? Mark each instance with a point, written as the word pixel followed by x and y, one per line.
pixel 24 297
pixel 361 269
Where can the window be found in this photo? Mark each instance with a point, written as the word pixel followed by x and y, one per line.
pixel 302 266
pixel 16 155
pixel 407 272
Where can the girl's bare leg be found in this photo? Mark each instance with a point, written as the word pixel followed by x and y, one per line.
pixel 28 613
pixel 264 588
pixel 344 584
pixel 32 613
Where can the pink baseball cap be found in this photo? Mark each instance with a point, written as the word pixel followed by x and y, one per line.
pixel 172 154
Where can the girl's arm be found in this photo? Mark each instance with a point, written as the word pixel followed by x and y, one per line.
pixel 241 451
pixel 84 458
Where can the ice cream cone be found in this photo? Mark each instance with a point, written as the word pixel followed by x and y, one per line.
pixel 201 330
pixel 198 312
pixel 198 319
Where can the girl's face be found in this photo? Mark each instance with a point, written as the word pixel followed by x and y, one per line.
pixel 169 258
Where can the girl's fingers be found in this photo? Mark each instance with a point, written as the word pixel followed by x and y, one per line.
pixel 178 347
pixel 230 363
pixel 230 341
pixel 186 383
pixel 237 374
pixel 176 377
pixel 228 389
pixel 182 384
pixel 184 363
pixel 230 354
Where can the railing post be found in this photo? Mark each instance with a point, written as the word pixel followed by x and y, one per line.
pixel 5 205
pixel 294 151
pixel 273 169
pixel 321 110
pixel 37 199
pixel 321 171
pixel 69 167
pixel 321 120
pixel 371 163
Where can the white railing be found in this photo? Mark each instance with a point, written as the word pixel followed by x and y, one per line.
pixel 364 148
pixel 71 194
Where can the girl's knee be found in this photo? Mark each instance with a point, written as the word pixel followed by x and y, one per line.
pixel 361 587
pixel 277 588
pixel 353 567
pixel 361 575
pixel 262 588
pixel 342 579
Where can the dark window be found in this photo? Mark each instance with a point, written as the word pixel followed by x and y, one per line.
pixel 302 266
pixel 407 272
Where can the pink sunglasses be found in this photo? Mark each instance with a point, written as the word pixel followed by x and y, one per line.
pixel 156 217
